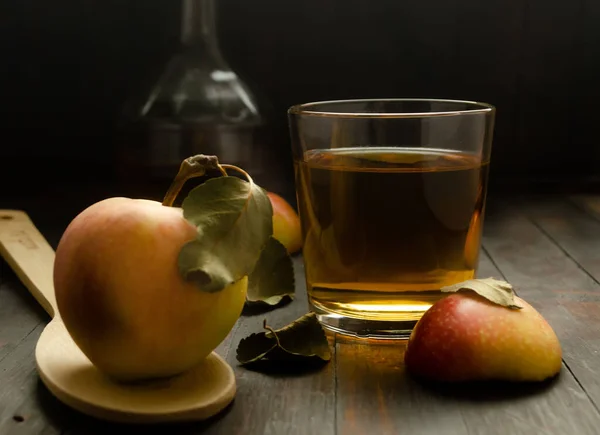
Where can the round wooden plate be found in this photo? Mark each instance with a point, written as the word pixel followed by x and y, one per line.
pixel 70 376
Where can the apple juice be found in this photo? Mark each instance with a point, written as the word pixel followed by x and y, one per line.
pixel 385 228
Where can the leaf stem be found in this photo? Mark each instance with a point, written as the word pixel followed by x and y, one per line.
pixel 240 170
pixel 192 167
pixel 272 331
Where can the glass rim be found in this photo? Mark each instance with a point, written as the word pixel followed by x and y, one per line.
pixel 311 109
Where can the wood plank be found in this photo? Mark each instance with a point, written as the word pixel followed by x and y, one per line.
pixel 23 400
pixel 486 267
pixel 588 203
pixel 20 319
pixel 555 408
pixel 578 235
pixel 26 406
pixel 554 284
pixel 573 229
pixel 280 404
pixel 19 312
pixel 20 410
pixel 527 410
pixel 376 395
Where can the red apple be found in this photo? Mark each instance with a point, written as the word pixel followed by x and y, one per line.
pixel 465 337
pixel 122 298
pixel 286 224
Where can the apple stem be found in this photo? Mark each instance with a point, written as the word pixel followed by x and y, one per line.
pixel 197 166
pixel 192 167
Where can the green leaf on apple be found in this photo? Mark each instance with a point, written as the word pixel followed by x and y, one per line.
pixel 303 340
pixel 234 221
pixel 272 280
pixel 496 291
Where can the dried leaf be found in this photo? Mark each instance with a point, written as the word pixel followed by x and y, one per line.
pixel 272 279
pixel 234 221
pixel 496 291
pixel 301 340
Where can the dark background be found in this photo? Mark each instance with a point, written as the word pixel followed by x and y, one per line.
pixel 69 65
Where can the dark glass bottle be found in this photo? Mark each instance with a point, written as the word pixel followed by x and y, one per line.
pixel 199 105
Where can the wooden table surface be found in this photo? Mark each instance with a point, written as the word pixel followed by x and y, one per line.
pixel 547 246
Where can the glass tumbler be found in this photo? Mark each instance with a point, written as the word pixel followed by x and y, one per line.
pixel 391 195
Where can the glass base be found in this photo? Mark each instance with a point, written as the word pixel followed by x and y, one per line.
pixel 363 328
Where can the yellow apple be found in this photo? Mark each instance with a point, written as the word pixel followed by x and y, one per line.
pixel 122 298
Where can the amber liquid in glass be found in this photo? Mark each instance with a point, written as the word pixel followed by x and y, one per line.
pixel 385 228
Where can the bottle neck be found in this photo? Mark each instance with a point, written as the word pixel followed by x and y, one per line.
pixel 198 26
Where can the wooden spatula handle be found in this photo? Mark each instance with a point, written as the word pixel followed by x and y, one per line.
pixel 29 255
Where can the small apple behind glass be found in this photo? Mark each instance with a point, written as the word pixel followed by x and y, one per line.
pixel 483 332
pixel 286 224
